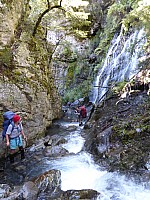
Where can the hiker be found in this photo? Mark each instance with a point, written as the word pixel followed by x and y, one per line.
pixel 14 137
pixel 82 113
pixel 78 113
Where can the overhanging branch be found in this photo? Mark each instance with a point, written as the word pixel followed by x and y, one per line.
pixel 44 13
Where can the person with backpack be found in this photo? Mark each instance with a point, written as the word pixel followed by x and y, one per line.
pixel 14 135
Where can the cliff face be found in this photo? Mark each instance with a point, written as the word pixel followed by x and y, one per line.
pixel 26 83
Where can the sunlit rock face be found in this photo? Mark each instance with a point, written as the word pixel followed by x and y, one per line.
pixel 26 84
pixel 10 15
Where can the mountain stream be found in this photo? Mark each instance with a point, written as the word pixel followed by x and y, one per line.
pixel 79 171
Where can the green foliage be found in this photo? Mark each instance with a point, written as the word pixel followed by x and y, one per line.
pixel 117 12
pixel 95 41
pixel 77 69
pixel 103 46
pixel 146 128
pixel 127 130
pixel 97 67
pixel 119 86
pixel 139 17
pixel 67 52
pixel 73 94
pixel 101 50
pixel 70 74
pixel 6 56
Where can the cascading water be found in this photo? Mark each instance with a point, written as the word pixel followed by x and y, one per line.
pixel 78 171
pixel 121 63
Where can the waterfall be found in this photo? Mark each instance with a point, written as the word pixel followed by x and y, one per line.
pixel 121 63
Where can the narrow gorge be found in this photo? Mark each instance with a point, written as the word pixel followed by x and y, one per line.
pixel 55 56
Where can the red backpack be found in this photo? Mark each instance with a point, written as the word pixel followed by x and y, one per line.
pixel 83 112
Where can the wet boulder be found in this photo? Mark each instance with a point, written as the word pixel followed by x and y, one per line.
pixel 80 194
pixel 48 183
pixel 29 191
pixel 55 151
pixel 4 190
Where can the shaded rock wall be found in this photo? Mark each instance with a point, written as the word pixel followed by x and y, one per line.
pixel 75 59
pixel 26 83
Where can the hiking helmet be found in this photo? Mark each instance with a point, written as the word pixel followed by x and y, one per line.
pixel 16 118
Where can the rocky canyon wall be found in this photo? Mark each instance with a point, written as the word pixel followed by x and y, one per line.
pixel 26 83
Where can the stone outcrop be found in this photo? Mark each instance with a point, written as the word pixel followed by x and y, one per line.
pixel 26 83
